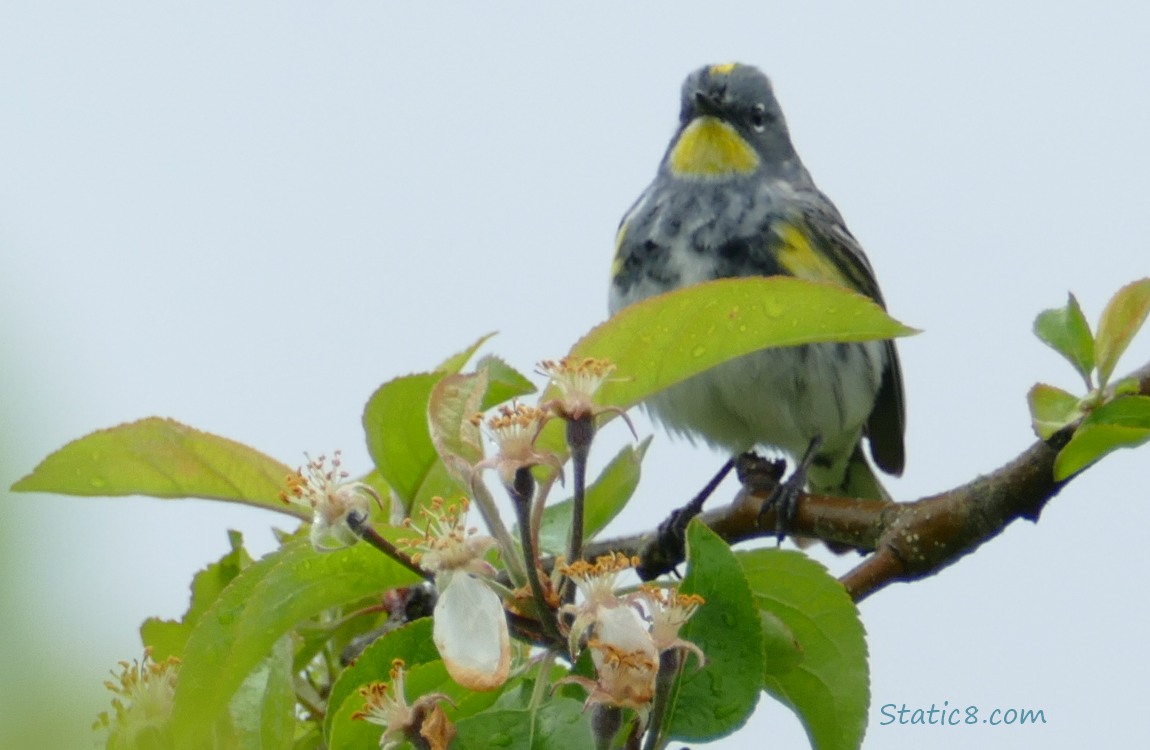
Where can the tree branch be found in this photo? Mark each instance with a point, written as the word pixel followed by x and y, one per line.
pixel 908 541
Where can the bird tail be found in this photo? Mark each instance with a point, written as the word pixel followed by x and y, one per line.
pixel 858 480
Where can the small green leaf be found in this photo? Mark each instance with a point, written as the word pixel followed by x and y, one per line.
pixel 1121 423
pixel 1124 315
pixel 162 458
pixel 265 601
pixel 605 497
pixel 1066 331
pixel 399 439
pixel 668 338
pixel 456 439
pixel 717 699
pixel 456 362
pixel 167 637
pixel 504 382
pixel 1128 411
pixel 1051 409
pixel 395 422
pixel 1126 387
pixel 829 689
pixel 412 643
pixel 1092 442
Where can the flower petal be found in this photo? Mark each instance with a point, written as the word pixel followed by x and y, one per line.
pixel 470 631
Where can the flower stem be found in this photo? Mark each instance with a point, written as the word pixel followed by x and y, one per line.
pixel 522 490
pixel 486 504
pixel 669 663
pixel 359 524
pixel 580 431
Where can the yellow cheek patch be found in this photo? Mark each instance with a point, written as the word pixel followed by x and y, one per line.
pixel 722 70
pixel 797 256
pixel 711 148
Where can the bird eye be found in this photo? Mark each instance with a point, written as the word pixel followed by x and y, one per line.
pixel 759 117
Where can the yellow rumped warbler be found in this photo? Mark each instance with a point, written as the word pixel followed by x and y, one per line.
pixel 731 198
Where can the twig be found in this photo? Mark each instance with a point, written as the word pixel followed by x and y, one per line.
pixel 363 529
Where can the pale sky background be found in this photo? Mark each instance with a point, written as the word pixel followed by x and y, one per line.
pixel 247 218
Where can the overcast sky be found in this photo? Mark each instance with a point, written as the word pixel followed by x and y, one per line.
pixel 247 218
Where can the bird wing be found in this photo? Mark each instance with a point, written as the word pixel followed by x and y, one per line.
pixel 822 224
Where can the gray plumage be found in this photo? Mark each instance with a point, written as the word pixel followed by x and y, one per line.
pixel 732 198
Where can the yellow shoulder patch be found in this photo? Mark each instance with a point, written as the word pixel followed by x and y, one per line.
pixel 799 258
pixel 617 263
pixel 723 69
pixel 709 147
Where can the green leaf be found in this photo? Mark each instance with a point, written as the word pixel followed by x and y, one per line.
pixel 310 739
pixel 1051 409
pixel 556 724
pixel 455 438
pixel 1128 386
pixel 829 689
pixel 1121 423
pixel 665 339
pixel 162 458
pixel 268 599
pixel 456 362
pixel 1127 411
pixel 1090 443
pixel 783 650
pixel 395 422
pixel 605 497
pixel 438 483
pixel 399 439
pixel 517 693
pixel 412 643
pixel 263 708
pixel 668 338
pixel 1066 331
pixel 1123 316
pixel 504 382
pixel 168 637
pixel 717 699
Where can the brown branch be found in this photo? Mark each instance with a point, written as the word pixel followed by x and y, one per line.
pixel 908 541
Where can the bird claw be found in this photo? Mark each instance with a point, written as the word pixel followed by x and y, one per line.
pixel 784 500
pixel 759 474
pixel 669 547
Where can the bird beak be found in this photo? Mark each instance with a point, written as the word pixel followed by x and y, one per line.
pixel 707 103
